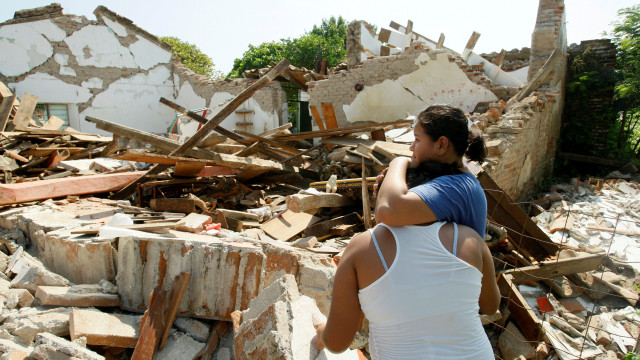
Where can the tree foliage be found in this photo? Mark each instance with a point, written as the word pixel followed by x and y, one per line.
pixel 626 37
pixel 192 57
pixel 330 36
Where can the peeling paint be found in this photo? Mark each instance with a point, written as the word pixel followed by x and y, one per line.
pixel 50 89
pixel 27 45
pixel 104 48
pixel 148 54
pixel 436 81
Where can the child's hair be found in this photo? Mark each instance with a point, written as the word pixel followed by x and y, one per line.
pixel 452 123
pixel 430 170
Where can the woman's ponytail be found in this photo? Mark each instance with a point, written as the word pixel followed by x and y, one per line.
pixel 476 151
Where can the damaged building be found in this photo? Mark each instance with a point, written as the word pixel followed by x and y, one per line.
pixel 111 69
pixel 224 245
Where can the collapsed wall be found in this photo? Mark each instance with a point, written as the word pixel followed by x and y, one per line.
pixel 522 141
pixel 111 69
pixel 226 272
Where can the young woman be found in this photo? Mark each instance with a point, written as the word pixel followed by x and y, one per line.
pixel 441 135
pixel 421 287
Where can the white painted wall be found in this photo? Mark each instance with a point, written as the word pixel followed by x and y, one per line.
pixel 134 102
pixel 24 46
pixel 435 82
pixel 131 100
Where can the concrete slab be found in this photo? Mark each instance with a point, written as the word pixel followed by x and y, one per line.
pixel 100 328
pixel 78 295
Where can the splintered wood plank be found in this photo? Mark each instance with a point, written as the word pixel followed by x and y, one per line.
pixel 288 224
pixel 54 188
pixel 48 151
pixel 151 325
pixel 25 110
pixel 159 159
pixel 339 131
pixel 188 168
pixel 210 125
pixel 329 115
pixel 177 290
pixel 5 110
pixel 286 148
pixel 521 311
pixel 555 268
pixel 316 116
pixel 138 227
pixel 520 228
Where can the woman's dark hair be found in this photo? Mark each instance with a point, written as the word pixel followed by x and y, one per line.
pixel 430 170
pixel 451 122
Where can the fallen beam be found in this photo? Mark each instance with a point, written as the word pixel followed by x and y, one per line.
pixel 210 125
pixel 155 140
pixel 54 188
pixel 339 131
pixel 555 268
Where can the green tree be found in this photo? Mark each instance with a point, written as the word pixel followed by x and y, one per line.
pixel 192 57
pixel 302 51
pixel 626 37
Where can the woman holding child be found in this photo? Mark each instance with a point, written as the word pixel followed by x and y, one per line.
pixel 424 272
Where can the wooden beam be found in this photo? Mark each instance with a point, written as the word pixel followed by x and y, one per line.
pixel 25 110
pixel 520 228
pixel 77 185
pixel 473 39
pixel 302 153
pixel 5 110
pixel 302 202
pixel 199 118
pixel 180 205
pixel 159 159
pixel 329 115
pixel 286 148
pixel 339 131
pixel 285 74
pixel 155 140
pixel 177 290
pixel 555 268
pixel 218 331
pixel 539 78
pixel 316 117
pixel 366 207
pixel 284 129
pixel 520 310
pixel 151 325
pixel 210 125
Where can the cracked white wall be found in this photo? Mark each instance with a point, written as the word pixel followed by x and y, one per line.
pixel 260 120
pixel 436 81
pixel 25 46
pixel 130 99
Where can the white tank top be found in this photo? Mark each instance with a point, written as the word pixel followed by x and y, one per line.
pixel 426 304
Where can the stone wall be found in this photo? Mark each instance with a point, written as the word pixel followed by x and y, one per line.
pixel 111 69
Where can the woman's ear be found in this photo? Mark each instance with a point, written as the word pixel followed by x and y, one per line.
pixel 442 145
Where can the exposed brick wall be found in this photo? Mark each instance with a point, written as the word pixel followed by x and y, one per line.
pixel 549 33
pixel 513 59
pixel 589 114
pixel 529 135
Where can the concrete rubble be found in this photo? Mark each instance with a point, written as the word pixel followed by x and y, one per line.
pixel 96 230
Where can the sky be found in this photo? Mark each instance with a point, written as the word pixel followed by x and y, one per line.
pixel 224 29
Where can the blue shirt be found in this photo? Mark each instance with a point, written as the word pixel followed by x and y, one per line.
pixel 456 198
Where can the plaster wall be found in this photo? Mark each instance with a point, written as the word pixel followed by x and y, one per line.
pixel 399 84
pixel 110 69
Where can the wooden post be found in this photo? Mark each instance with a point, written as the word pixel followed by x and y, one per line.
pixel 210 125
pixel 366 207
